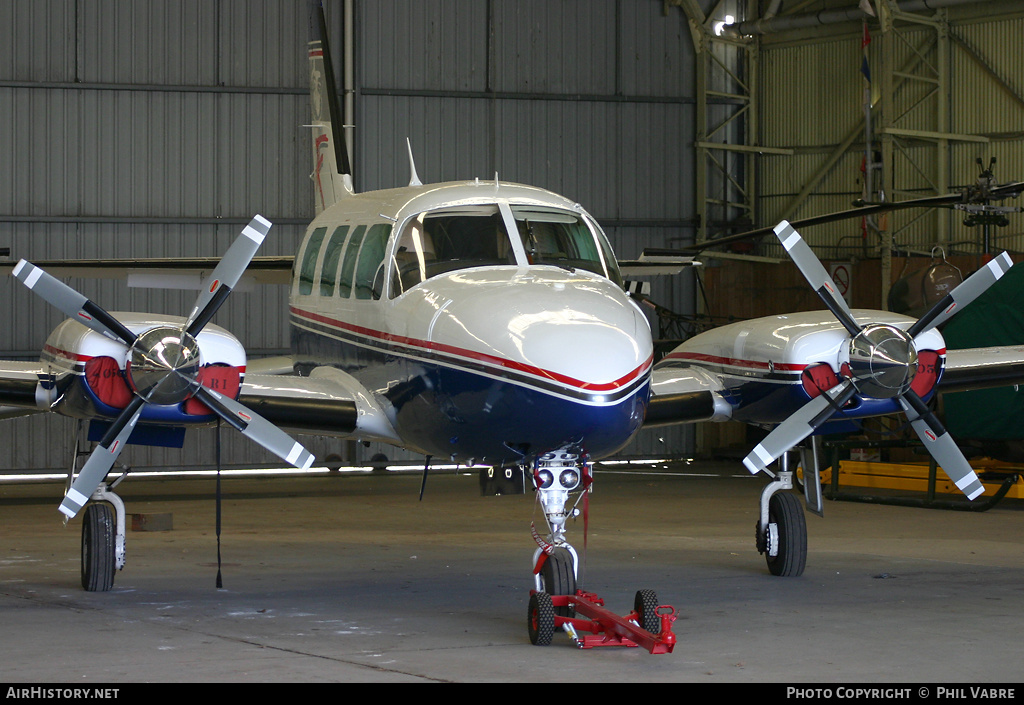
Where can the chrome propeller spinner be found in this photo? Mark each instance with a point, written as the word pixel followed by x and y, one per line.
pixel 882 361
pixel 163 363
pixel 882 364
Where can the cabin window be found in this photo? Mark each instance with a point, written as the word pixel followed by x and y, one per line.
pixel 348 266
pixel 369 277
pixel 309 258
pixel 332 255
pixel 446 240
pixel 564 239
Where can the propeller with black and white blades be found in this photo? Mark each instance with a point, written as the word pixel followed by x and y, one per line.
pixel 163 363
pixel 882 364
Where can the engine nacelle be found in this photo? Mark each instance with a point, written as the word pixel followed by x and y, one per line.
pixel 96 376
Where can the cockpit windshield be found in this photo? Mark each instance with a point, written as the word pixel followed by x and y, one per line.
pixel 448 239
pixel 564 239
pixel 442 241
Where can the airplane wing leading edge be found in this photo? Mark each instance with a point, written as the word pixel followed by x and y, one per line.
pixel 682 395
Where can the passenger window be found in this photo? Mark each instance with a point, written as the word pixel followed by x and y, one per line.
pixel 332 255
pixel 348 266
pixel 369 271
pixel 309 257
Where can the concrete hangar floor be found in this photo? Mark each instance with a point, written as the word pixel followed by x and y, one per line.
pixel 350 578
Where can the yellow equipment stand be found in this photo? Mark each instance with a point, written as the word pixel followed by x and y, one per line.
pixel 915 477
pixel 929 485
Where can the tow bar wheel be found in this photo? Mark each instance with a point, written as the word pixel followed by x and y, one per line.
pixel 540 619
pixel 645 604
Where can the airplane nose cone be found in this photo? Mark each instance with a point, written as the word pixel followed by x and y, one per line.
pixel 578 335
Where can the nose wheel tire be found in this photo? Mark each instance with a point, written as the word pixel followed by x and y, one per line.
pixel 98 559
pixel 787 517
pixel 559 576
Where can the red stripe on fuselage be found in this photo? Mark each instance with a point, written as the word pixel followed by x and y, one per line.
pixel 75 357
pixel 478 356
pixel 66 354
pixel 736 362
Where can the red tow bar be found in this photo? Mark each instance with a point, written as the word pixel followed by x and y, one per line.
pixel 602 627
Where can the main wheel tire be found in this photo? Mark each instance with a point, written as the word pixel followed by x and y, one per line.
pixel 785 511
pixel 540 619
pixel 98 537
pixel 646 607
pixel 559 577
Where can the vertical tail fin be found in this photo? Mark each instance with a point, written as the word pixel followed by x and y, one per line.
pixel 332 172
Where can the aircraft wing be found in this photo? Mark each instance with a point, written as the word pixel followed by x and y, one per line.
pixel 651 266
pixel 983 368
pixel 23 389
pixel 165 273
pixel 690 395
pixel 327 403
pixel 684 395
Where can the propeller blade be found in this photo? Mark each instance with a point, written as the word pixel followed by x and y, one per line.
pixel 226 274
pixel 805 421
pixel 941 445
pixel 966 292
pixel 71 303
pixel 256 427
pixel 102 458
pixel 815 274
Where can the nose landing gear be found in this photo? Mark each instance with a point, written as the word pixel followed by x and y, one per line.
pixel 556 602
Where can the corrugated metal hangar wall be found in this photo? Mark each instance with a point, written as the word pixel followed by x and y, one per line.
pixel 141 129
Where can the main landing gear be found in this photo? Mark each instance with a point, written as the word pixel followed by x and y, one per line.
pixel 103 540
pixel 781 529
pixel 103 534
pixel 556 602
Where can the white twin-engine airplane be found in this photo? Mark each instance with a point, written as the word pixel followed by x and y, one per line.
pixel 485 323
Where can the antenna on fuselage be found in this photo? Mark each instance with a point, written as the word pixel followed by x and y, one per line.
pixel 414 179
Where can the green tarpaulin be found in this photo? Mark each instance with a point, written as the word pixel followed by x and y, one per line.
pixel 994 318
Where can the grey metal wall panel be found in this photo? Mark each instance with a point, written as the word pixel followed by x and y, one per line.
pixel 39 40
pixel 656 52
pixel 262 44
pixel 569 147
pixel 555 47
pixel 35 172
pixel 147 43
pixel 656 166
pixel 431 45
pixel 450 137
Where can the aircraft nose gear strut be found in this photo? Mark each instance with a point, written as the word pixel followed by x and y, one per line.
pixel 555 602
pixel 555 476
